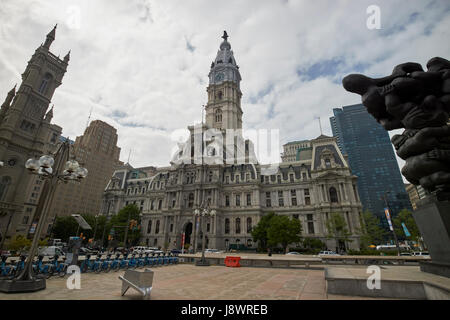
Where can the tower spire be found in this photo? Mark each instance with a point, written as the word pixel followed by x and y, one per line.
pixel 67 57
pixel 225 35
pixel 50 37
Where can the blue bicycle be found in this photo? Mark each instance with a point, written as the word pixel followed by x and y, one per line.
pixel 124 263
pixel 59 268
pixel 42 268
pixel 88 265
pixel 115 264
pixel 106 264
pixel 5 270
pixel 133 262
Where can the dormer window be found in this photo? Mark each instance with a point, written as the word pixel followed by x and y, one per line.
pixel 327 163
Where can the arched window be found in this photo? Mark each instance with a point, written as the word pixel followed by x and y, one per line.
pixel 238 225
pixel 45 82
pixel 157 227
pixel 149 226
pixel 4 185
pixel 218 114
pixel 333 195
pixel 249 225
pixel 249 242
pixel 227 226
pixel 220 95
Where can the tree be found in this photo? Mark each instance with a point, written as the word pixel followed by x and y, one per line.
pixel 371 233
pixel 283 230
pixel 407 218
pixel 313 243
pixel 337 228
pixel 64 228
pixel 19 243
pixel 130 214
pixel 259 232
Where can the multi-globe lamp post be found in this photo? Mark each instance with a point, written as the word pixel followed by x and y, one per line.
pixel 203 211
pixel 59 167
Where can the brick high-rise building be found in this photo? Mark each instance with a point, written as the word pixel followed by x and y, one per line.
pixel 97 151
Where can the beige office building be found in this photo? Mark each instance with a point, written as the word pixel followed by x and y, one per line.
pixel 97 151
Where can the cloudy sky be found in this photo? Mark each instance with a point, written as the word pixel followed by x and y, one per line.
pixel 142 65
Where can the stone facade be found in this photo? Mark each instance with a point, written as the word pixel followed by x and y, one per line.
pixel 239 188
pixel 26 131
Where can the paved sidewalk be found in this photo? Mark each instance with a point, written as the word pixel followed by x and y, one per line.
pixel 186 281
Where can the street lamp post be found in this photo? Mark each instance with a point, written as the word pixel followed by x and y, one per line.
pixel 201 212
pixel 66 169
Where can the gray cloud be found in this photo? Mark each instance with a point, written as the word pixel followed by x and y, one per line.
pixel 142 65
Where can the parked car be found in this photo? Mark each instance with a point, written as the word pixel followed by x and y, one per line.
pixel 212 251
pixel 405 254
pixel 328 253
pixel 294 253
pixel 421 253
pixel 175 251
pixel 51 251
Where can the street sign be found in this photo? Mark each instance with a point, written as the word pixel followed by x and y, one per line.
pixel 81 222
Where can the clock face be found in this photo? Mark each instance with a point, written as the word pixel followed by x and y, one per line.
pixel 219 76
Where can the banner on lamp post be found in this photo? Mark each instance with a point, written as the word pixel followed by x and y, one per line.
pixel 388 217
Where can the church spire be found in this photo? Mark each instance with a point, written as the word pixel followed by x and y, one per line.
pixel 50 37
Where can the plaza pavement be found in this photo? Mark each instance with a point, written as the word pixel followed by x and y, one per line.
pixel 187 281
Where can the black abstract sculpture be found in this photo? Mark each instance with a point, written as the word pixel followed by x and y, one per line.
pixel 419 102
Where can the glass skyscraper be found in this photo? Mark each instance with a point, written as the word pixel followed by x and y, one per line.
pixel 371 157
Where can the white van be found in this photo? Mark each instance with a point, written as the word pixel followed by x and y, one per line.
pixel 51 251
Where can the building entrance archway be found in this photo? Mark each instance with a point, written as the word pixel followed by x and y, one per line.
pixel 187 233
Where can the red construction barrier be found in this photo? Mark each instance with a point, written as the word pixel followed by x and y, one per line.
pixel 232 261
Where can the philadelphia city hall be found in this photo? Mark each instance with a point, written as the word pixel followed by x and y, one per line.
pixel 312 182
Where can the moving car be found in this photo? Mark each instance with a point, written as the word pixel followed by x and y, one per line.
pixel 294 253
pixel 328 253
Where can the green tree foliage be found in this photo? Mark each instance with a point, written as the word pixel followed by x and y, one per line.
pixel 337 228
pixel 406 217
pixel 273 230
pixel 371 232
pixel 129 213
pixel 64 227
pixel 313 243
pixel 283 230
pixel 19 243
pixel 259 232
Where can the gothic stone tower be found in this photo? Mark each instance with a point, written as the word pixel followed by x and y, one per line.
pixel 223 110
pixel 26 132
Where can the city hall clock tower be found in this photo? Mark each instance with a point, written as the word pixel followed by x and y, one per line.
pixel 223 110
